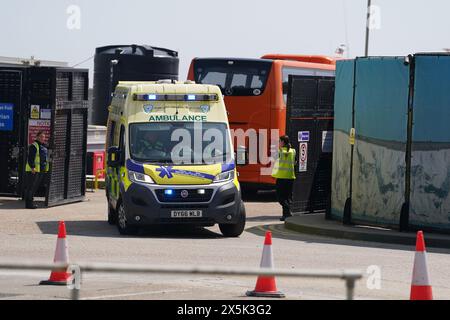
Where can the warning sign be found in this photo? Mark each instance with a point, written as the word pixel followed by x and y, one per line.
pixel 303 136
pixel 46 113
pixel 35 112
pixel 303 155
pixel 352 136
pixel 34 126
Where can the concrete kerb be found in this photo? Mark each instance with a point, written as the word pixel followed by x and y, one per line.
pixel 334 229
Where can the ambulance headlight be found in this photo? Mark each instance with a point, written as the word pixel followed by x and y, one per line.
pixel 225 176
pixel 137 177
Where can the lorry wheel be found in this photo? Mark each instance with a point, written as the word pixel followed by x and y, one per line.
pixel 234 230
pixel 112 215
pixel 122 223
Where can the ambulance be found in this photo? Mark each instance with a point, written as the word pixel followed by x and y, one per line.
pixel 170 158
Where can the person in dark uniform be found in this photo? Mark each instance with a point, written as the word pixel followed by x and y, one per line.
pixel 151 147
pixel 284 173
pixel 36 167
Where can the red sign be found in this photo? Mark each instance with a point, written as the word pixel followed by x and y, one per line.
pixel 34 126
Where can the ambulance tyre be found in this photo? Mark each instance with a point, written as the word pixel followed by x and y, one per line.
pixel 234 230
pixel 122 224
pixel 112 215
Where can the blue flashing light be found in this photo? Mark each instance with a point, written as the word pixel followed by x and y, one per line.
pixel 151 97
pixel 191 97
pixel 168 192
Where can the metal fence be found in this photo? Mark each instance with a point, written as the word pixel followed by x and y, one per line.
pixel 53 100
pixel 309 124
pixel 349 276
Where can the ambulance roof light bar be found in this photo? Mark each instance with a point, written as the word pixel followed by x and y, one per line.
pixel 176 97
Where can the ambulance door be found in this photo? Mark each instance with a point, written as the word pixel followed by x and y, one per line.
pixel 112 173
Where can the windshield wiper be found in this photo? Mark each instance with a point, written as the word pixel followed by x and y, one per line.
pixel 145 161
pixel 162 161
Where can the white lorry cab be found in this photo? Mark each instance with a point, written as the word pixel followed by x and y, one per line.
pixel 170 158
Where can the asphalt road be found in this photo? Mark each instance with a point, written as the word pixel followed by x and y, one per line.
pixel 31 235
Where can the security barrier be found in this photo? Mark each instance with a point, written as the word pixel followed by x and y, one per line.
pixel 52 100
pixel 392 143
pixel 309 124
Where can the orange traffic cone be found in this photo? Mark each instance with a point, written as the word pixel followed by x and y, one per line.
pixel 266 286
pixel 60 277
pixel 420 287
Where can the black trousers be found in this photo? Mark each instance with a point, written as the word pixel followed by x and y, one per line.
pixel 284 195
pixel 33 184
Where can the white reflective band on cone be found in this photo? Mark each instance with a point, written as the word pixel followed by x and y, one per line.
pixel 267 258
pixel 61 252
pixel 420 271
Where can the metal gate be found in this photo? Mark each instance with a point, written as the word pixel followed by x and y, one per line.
pixel 67 178
pixel 54 100
pixel 11 131
pixel 309 125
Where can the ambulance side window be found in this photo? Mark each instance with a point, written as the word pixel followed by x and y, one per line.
pixel 112 129
pixel 122 144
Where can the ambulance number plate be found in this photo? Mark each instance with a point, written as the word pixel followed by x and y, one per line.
pixel 187 214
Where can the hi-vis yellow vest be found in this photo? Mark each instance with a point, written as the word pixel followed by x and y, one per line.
pixel 284 167
pixel 37 161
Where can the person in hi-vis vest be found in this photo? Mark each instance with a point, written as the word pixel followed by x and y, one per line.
pixel 284 172
pixel 36 167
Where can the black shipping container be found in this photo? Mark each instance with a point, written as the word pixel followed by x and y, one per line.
pixel 128 63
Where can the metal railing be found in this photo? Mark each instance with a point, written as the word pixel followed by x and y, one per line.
pixel 349 276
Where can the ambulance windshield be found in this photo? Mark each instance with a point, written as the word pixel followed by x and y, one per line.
pixel 180 143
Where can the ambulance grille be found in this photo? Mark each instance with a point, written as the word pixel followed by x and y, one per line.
pixel 192 196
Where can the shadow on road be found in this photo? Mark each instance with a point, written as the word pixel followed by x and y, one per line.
pixel 263 218
pixel 260 196
pixel 17 204
pixel 280 232
pixel 103 229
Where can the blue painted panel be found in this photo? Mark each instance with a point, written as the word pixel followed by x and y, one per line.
pixel 432 99
pixel 381 129
pixel 382 98
pixel 430 172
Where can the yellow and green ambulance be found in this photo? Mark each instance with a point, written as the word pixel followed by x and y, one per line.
pixel 170 158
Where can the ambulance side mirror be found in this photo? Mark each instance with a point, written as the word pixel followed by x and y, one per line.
pixel 114 155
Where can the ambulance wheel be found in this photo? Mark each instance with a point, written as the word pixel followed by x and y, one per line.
pixel 122 223
pixel 112 215
pixel 234 230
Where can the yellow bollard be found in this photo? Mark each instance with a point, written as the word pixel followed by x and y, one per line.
pixel 99 172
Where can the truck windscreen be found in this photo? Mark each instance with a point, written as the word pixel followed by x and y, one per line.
pixel 180 143
pixel 234 77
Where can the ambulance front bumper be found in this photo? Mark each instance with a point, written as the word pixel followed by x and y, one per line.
pixel 149 205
